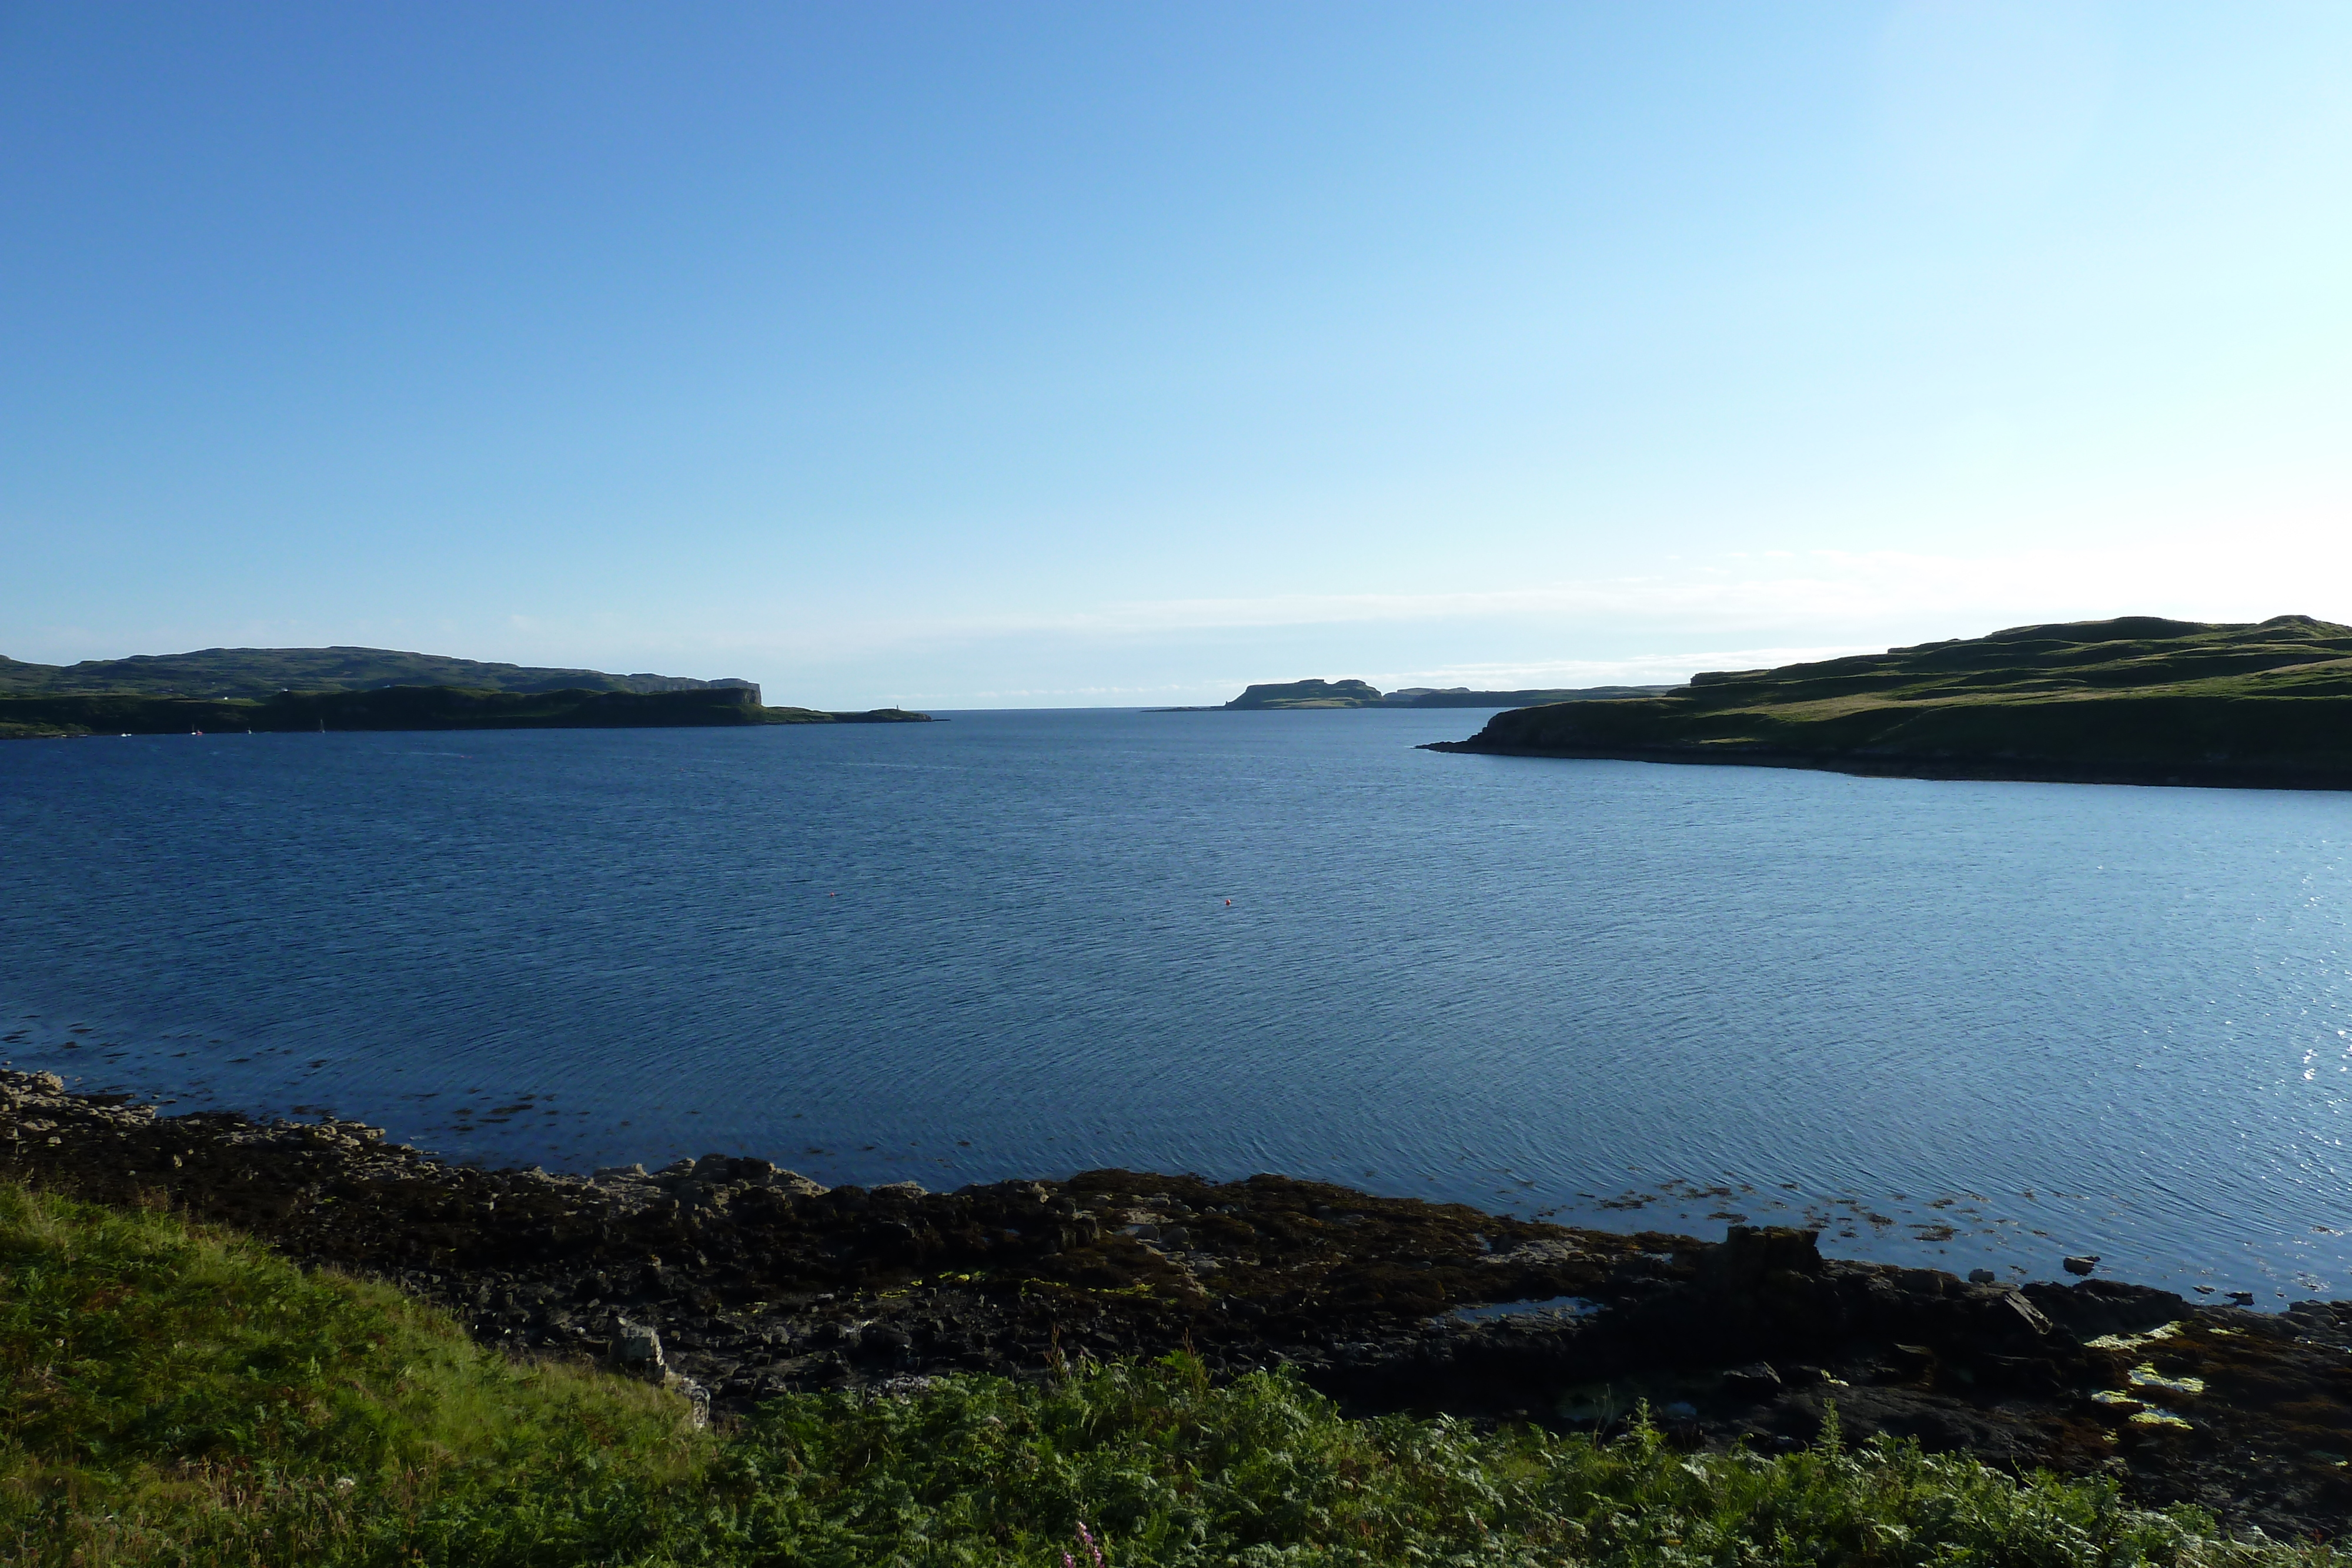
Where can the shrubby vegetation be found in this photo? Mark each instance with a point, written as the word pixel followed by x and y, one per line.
pixel 181 1396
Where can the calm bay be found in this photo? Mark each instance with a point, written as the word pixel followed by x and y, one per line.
pixel 1957 1023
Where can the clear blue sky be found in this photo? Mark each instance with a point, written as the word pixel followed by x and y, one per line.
pixel 1022 354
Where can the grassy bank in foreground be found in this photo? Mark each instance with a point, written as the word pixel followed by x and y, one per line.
pixel 2133 700
pixel 179 1397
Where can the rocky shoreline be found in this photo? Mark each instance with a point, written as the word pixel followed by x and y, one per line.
pixel 1950 768
pixel 742 1281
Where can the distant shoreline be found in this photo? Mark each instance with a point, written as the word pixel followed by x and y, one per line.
pixel 1292 696
pixel 410 708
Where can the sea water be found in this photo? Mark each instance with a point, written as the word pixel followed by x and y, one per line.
pixel 1967 1024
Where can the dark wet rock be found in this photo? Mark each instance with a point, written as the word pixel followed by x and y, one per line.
pixel 736 1282
pixel 2098 1307
pixel 2082 1265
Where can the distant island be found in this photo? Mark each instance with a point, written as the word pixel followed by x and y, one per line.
pixel 2135 700
pixel 310 689
pixel 1468 697
pixel 1307 693
pixel 1276 696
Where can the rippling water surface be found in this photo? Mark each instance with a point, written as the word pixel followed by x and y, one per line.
pixel 2049 1017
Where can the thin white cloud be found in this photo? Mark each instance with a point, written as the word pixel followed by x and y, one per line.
pixel 1696 604
pixel 1763 607
pixel 1641 670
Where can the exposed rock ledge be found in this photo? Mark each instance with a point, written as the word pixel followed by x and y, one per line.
pixel 751 1280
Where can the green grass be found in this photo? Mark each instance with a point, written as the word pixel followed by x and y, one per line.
pixel 2133 696
pixel 173 1395
pixel 184 1397
pixel 1172 1470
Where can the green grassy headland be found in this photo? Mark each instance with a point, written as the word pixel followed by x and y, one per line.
pixel 408 707
pixel 261 673
pixel 364 688
pixel 176 1396
pixel 2132 700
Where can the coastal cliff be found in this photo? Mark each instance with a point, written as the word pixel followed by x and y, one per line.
pixel 2136 700
pixel 260 673
pixel 411 707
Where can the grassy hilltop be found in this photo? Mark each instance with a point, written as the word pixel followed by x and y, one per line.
pixel 260 673
pixel 409 707
pixel 2132 700
pixel 173 1396
pixel 263 689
